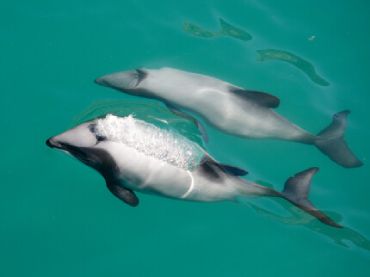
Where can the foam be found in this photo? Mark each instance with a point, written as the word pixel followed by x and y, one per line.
pixel 146 138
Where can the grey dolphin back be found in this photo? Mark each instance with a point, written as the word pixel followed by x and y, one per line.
pixel 296 191
pixel 330 141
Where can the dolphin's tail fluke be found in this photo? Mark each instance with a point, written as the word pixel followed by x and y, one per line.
pixel 296 191
pixel 331 142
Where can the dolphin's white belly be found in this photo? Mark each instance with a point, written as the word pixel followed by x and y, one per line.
pixel 211 98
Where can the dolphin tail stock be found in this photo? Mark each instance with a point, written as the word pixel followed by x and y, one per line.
pixel 296 191
pixel 331 142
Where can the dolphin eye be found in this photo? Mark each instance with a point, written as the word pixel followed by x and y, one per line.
pixel 99 138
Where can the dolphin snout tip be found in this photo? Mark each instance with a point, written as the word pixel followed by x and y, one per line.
pixel 49 142
pixel 52 143
pixel 100 81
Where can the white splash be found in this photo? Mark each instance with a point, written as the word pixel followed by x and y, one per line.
pixel 150 140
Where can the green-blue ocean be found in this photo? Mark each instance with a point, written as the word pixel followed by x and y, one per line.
pixel 57 217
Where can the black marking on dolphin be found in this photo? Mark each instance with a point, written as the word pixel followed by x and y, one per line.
pixel 260 98
pixel 99 138
pixel 101 161
pixel 141 74
pixel 215 170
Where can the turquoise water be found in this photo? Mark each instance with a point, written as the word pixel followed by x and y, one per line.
pixel 57 217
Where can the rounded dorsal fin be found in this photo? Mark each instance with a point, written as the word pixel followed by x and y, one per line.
pixel 213 168
pixel 260 98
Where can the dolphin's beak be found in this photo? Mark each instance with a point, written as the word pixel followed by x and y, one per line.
pixel 101 81
pixel 53 143
pixel 124 80
pixel 116 80
pixel 78 152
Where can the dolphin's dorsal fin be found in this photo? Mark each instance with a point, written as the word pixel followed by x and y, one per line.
pixel 125 194
pixel 260 98
pixel 232 170
pixel 213 168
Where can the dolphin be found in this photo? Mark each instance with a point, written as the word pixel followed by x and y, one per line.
pixel 133 155
pixel 232 109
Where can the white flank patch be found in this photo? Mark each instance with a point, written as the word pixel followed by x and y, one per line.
pixel 150 140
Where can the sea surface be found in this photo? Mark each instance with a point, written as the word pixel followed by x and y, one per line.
pixel 58 219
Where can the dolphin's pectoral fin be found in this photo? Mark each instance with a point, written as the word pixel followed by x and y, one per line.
pixel 259 98
pixel 202 130
pixel 214 169
pixel 126 195
pixel 182 114
pixel 103 162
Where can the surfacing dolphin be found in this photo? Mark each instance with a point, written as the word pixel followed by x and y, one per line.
pixel 232 109
pixel 134 155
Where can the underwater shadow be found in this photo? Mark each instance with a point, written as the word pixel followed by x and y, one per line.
pixel 229 30
pixel 343 236
pixel 226 30
pixel 296 61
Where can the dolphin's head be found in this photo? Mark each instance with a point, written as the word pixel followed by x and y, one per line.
pixel 81 136
pixel 127 81
pixel 79 142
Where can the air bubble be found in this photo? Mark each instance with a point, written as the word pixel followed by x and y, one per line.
pixel 146 138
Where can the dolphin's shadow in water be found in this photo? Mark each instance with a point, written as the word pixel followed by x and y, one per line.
pixel 298 62
pixel 230 30
pixel 227 29
pixel 197 31
pixel 342 236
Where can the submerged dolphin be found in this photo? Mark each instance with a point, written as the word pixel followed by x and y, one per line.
pixel 232 109
pixel 134 155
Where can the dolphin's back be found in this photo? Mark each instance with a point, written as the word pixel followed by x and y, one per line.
pixel 229 108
